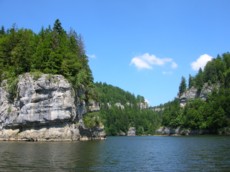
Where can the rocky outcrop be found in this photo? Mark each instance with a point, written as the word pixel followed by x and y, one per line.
pixel 46 108
pixel 193 93
pixel 119 105
pixel 93 106
pixel 131 131
pixel 143 105
pixel 180 131
pixel 168 131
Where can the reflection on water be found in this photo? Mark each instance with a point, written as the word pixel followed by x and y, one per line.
pixel 206 153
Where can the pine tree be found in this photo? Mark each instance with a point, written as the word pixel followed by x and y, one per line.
pixel 199 79
pixel 183 86
pixel 58 27
pixel 2 31
pixel 191 82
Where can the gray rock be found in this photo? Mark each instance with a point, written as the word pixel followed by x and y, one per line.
pixel 193 93
pixel 93 106
pixel 119 105
pixel 121 133
pixel 180 131
pixel 44 109
pixel 131 131
pixel 166 131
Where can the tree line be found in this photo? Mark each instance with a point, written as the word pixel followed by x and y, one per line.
pixel 212 114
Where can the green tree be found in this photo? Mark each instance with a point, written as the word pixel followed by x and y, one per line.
pixel 191 82
pixel 183 86
pixel 57 28
pixel 2 31
pixel 199 81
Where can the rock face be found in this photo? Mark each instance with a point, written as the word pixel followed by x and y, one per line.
pixel 187 132
pixel 193 93
pixel 180 131
pixel 93 106
pixel 132 131
pixel 46 108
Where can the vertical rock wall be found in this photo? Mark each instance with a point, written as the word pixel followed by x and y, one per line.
pixel 45 108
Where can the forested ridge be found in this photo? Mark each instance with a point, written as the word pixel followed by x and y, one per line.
pixel 211 114
pixel 51 51
pixel 121 110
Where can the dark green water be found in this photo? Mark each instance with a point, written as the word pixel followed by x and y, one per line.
pixel 202 153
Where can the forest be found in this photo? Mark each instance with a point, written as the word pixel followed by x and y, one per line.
pixel 213 114
pixel 51 51
pixel 120 110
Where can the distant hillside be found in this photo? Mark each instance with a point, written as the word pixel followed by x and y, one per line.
pixel 109 94
pixel 203 104
pixel 121 110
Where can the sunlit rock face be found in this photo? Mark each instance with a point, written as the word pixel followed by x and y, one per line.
pixel 193 93
pixel 44 108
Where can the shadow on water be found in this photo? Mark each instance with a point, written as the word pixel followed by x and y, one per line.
pixel 49 156
pixel 203 153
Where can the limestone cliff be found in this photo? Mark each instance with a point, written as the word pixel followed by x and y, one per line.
pixel 44 108
pixel 193 93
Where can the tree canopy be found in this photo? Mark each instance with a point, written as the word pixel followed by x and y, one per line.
pixel 52 51
pixel 183 86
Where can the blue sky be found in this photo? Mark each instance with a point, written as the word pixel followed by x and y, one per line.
pixel 141 46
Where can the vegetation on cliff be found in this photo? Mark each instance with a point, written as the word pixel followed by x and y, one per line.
pixel 212 114
pixel 52 51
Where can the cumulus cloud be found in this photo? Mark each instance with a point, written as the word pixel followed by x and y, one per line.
pixel 140 63
pixel 201 62
pixel 147 61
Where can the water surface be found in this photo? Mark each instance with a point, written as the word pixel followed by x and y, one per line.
pixel 153 153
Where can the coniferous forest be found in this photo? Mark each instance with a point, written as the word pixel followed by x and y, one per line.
pixel 51 51
pixel 55 51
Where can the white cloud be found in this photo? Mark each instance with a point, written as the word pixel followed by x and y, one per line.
pixel 140 63
pixel 201 62
pixel 92 56
pixel 147 61
pixel 174 65
pixel 153 60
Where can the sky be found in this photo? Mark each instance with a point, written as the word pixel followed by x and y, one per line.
pixel 141 46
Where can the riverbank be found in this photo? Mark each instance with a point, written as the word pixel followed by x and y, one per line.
pixel 187 132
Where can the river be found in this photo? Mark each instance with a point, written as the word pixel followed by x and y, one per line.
pixel 150 153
